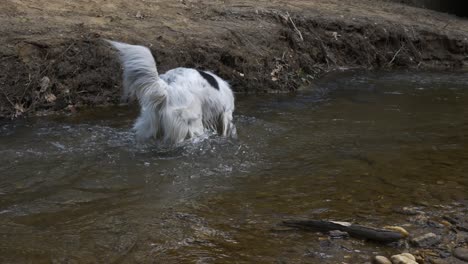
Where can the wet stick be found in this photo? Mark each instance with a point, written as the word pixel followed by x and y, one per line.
pixel 358 231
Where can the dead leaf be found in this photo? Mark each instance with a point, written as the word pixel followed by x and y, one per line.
pixel 50 97
pixel 19 109
pixel 44 83
pixel 139 15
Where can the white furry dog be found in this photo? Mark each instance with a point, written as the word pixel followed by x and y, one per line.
pixel 178 105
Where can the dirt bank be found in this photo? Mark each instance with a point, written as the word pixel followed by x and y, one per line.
pixel 52 56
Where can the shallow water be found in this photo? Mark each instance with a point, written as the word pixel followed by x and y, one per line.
pixel 80 189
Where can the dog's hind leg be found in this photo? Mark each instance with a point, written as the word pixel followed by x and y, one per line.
pixel 228 127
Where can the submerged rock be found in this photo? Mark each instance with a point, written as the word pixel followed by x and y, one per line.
pixel 461 253
pixel 410 211
pixel 427 240
pixel 437 261
pixel 459 221
pixel 338 234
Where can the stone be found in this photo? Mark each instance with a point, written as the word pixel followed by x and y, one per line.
pixel 399 229
pixel 402 259
pixel 427 240
pixel 450 219
pixel 446 223
pixel 432 223
pixel 460 222
pixel 419 259
pixel 463 227
pixel 409 211
pixel 444 253
pixel 408 255
pixel 419 219
pixel 139 15
pixel 338 234
pixel 437 261
pixel 461 253
pixel 381 260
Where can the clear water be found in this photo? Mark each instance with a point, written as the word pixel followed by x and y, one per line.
pixel 358 145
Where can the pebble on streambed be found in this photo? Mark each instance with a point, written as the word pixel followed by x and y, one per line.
pixel 427 240
pixel 381 260
pixel 336 234
pixel 403 258
pixel 461 253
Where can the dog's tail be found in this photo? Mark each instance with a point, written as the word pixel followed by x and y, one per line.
pixel 140 76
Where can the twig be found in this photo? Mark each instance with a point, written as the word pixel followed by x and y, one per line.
pixel 324 50
pixel 6 57
pixel 241 38
pixel 8 98
pixel 396 54
pixel 294 25
pixel 358 231
pixel 238 150
pixel 37 8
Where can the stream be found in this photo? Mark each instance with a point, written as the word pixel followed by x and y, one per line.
pixel 356 147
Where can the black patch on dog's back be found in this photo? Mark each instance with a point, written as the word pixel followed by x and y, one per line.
pixel 210 79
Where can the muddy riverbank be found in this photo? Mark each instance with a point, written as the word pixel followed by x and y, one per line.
pixel 52 57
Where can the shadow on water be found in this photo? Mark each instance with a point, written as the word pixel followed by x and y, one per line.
pixel 359 145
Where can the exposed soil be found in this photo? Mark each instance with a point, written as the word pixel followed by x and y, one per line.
pixel 52 56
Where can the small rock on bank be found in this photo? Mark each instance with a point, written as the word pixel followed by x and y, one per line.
pixel 381 260
pixel 404 258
